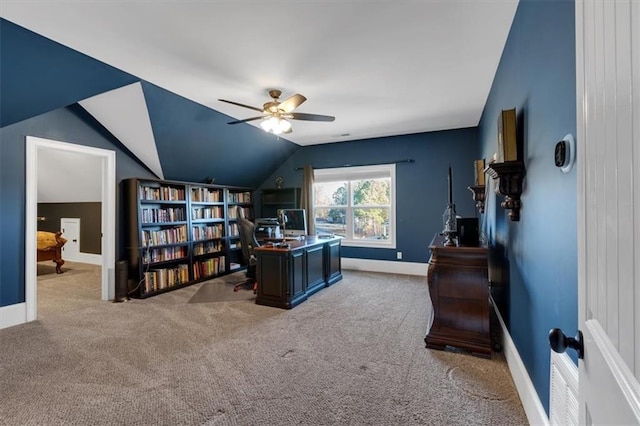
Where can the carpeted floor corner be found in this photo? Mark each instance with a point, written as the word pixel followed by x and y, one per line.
pixel 352 354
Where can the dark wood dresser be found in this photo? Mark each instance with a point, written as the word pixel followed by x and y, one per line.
pixel 459 289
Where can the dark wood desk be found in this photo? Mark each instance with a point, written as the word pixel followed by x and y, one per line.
pixel 288 275
pixel 459 289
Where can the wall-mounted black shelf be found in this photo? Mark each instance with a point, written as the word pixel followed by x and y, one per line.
pixel 509 176
pixel 478 196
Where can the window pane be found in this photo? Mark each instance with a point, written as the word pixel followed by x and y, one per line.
pixel 371 224
pixel 330 193
pixel 372 192
pixel 331 221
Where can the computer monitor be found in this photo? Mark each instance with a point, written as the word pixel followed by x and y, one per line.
pixel 295 222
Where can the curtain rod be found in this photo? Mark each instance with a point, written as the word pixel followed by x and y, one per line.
pixel 408 160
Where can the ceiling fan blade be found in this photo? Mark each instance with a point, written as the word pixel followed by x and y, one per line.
pixel 242 105
pixel 247 119
pixel 292 103
pixel 310 117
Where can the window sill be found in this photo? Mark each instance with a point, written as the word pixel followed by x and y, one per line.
pixel 383 244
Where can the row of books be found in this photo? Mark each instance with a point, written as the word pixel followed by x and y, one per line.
pixel 165 193
pixel 207 232
pixel 174 235
pixel 209 267
pixel 208 247
pixel 175 253
pixel 158 279
pixel 206 195
pixel 164 254
pixel 233 214
pixel 239 197
pixel 163 215
pixel 207 213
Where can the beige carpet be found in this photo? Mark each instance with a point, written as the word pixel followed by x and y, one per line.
pixel 221 290
pixel 353 354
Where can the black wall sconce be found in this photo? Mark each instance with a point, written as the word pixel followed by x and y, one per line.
pixel 478 187
pixel 508 172
pixel 478 196
pixel 509 176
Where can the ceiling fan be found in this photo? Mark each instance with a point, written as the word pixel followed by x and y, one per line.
pixel 276 113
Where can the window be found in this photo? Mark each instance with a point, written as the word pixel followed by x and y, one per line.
pixel 357 203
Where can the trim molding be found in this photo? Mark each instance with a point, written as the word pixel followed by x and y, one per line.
pixel 91 258
pixel 533 407
pixel 385 266
pixel 108 177
pixel 13 315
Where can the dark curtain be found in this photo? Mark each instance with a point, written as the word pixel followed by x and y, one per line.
pixel 307 198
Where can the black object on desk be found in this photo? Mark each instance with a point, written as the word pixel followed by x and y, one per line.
pixel 468 234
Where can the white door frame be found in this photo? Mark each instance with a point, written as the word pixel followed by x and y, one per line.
pixel 33 146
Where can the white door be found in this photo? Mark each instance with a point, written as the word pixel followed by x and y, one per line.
pixel 608 150
pixel 70 228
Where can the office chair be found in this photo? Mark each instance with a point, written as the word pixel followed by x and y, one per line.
pixel 248 241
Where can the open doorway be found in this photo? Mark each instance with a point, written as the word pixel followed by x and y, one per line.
pixel 39 147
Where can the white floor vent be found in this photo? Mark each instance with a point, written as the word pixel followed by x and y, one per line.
pixel 563 406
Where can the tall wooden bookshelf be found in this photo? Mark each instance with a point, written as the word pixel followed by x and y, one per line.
pixel 181 233
pixel 272 199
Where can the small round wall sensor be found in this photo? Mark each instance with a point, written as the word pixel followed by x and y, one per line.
pixel 565 153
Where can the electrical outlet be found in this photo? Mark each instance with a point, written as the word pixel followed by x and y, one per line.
pixel 399 255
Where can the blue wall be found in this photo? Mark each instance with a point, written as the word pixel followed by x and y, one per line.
pixel 194 142
pixel 66 125
pixel 536 75
pixel 421 195
pixel 39 76
pixel 40 83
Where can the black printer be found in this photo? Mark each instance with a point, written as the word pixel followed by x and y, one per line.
pixel 267 228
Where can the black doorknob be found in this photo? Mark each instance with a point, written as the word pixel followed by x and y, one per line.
pixel 559 342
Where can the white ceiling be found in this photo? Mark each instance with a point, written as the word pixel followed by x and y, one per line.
pixel 380 67
pixel 68 177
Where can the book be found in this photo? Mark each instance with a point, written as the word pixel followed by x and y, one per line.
pixel 507 143
pixel 478 168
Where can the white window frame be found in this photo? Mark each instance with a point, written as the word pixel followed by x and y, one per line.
pixel 352 173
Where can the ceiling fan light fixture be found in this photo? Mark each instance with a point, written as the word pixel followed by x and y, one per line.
pixel 275 125
pixel 276 114
pixel 285 125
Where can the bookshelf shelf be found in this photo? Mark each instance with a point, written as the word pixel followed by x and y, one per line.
pixel 279 198
pixel 180 233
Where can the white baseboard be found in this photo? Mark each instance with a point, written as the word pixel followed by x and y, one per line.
pixel 387 266
pixel 533 407
pixel 13 315
pixel 93 259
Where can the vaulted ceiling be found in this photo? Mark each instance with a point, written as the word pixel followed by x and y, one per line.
pixel 381 68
